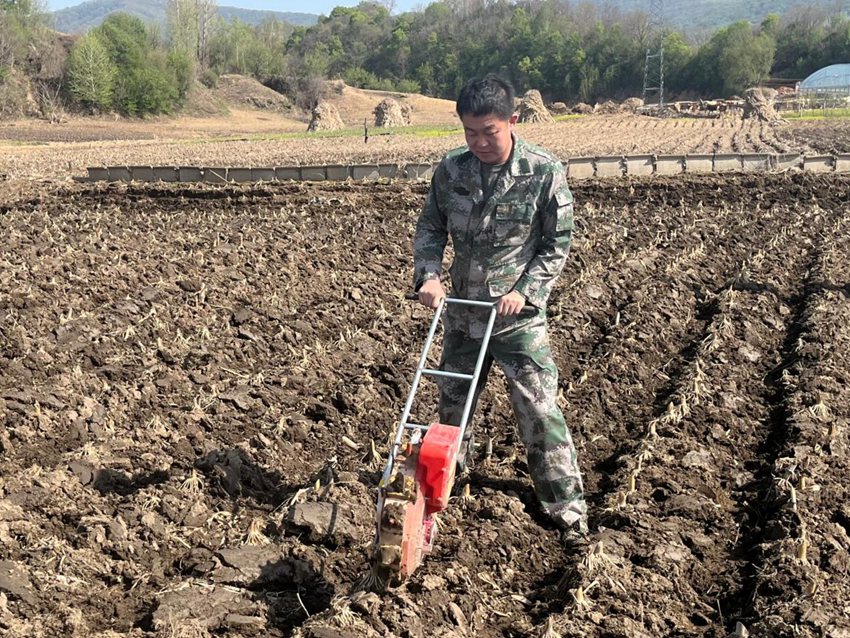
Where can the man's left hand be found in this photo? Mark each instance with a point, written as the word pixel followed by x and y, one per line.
pixel 511 304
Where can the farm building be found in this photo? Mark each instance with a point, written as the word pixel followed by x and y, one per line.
pixel 833 80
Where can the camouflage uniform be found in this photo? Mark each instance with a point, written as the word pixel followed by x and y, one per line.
pixel 516 239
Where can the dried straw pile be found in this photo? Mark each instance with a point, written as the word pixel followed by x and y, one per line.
pixel 325 118
pixel 632 104
pixel 607 108
pixel 391 114
pixel 758 103
pixel 532 110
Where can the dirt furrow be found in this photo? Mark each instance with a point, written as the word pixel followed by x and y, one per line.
pixel 699 585
pixel 762 316
pixel 804 540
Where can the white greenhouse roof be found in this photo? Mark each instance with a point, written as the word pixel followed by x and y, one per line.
pixel 830 78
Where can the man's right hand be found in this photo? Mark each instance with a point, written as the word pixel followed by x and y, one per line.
pixel 431 293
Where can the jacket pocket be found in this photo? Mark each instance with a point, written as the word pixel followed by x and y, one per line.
pixel 511 223
pixel 564 222
pixel 500 286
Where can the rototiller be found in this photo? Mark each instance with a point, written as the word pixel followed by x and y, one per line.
pixel 420 470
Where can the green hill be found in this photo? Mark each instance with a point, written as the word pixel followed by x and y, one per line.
pixel 686 15
pixel 89 14
pixel 252 16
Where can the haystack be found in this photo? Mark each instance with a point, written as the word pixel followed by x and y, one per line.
pixel 325 118
pixel 631 104
pixel 759 104
pixel 607 108
pixel 532 110
pixel 390 114
pixel 559 108
pixel 582 109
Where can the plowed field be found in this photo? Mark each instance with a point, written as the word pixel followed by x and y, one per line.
pixel 191 381
pixel 39 150
pixel 826 136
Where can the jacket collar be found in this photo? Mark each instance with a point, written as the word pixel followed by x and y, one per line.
pixel 519 165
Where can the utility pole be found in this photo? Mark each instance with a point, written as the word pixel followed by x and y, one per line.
pixel 653 72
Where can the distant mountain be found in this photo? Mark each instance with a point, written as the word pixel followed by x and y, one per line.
pixel 703 15
pixel 89 14
pixel 685 15
pixel 254 17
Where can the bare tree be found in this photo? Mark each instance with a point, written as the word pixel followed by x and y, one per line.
pixel 52 58
pixel 207 11
pixel 465 8
pixel 7 44
pixel 190 24
pixel 50 102
pixel 182 21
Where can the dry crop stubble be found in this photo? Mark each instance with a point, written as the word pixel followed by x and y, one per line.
pixel 807 551
pixel 29 153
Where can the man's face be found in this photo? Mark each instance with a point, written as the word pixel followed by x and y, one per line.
pixel 489 137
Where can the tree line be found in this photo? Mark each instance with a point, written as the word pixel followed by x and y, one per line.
pixel 570 52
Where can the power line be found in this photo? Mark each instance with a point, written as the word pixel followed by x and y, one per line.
pixel 653 71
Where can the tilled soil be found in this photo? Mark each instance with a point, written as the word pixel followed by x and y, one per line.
pixel 831 136
pixel 192 380
pixel 36 150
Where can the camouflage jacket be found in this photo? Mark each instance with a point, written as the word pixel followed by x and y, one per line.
pixel 516 240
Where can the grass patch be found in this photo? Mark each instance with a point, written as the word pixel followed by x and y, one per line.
pixel 432 132
pixel 22 143
pixel 817 114
pixel 568 116
pixel 421 131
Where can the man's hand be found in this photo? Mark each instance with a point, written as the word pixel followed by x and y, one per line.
pixel 431 292
pixel 511 304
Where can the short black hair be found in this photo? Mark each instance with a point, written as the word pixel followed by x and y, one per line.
pixel 490 95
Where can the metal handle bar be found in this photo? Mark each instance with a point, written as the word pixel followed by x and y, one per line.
pixel 403 424
pixel 526 310
pixel 414 296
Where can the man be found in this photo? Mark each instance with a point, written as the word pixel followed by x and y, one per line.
pixel 509 212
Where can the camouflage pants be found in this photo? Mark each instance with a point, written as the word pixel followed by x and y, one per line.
pixel 521 348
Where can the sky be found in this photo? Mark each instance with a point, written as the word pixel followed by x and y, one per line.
pixel 300 6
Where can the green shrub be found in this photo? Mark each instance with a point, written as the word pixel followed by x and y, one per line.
pixel 183 69
pixel 359 77
pixel 209 79
pixel 146 91
pixel 408 86
pixel 90 75
pixel 148 81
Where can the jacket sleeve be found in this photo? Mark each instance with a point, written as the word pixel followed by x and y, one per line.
pixel 431 236
pixel 535 284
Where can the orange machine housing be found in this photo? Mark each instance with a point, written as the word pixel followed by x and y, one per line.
pixel 415 542
pixel 435 471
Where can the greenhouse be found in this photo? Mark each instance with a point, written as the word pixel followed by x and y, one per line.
pixel 832 80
